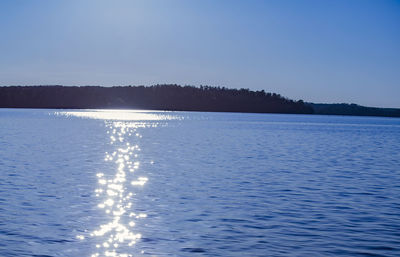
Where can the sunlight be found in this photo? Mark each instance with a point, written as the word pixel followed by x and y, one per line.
pixel 124 115
pixel 114 192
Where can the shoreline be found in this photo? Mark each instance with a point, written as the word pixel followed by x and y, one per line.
pixel 158 110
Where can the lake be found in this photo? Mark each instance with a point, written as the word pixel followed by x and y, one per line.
pixel 150 183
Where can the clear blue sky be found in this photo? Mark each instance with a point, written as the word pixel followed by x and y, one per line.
pixel 319 51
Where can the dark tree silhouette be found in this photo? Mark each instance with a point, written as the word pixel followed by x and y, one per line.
pixel 157 97
pixel 354 109
pixel 173 97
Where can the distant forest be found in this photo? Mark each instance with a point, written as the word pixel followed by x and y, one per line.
pixel 158 97
pixel 173 98
pixel 354 109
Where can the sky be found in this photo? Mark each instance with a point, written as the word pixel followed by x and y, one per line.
pixel 333 51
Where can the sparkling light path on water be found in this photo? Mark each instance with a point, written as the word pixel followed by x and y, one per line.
pixel 116 193
pixel 116 190
pixel 121 115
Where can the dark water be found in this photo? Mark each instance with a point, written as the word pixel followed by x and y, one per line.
pixel 84 183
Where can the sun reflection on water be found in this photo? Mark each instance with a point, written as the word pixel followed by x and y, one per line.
pixel 122 115
pixel 116 193
pixel 116 190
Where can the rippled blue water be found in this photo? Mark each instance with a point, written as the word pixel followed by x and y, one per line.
pixel 98 183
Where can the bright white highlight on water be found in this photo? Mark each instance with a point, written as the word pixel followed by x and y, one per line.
pixel 123 115
pixel 116 190
pixel 140 182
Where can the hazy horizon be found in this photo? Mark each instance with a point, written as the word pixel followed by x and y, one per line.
pixel 321 52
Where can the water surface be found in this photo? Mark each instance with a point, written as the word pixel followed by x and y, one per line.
pixel 146 183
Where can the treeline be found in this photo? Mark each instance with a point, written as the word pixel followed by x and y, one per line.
pixel 354 109
pixel 158 97
pixel 175 98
